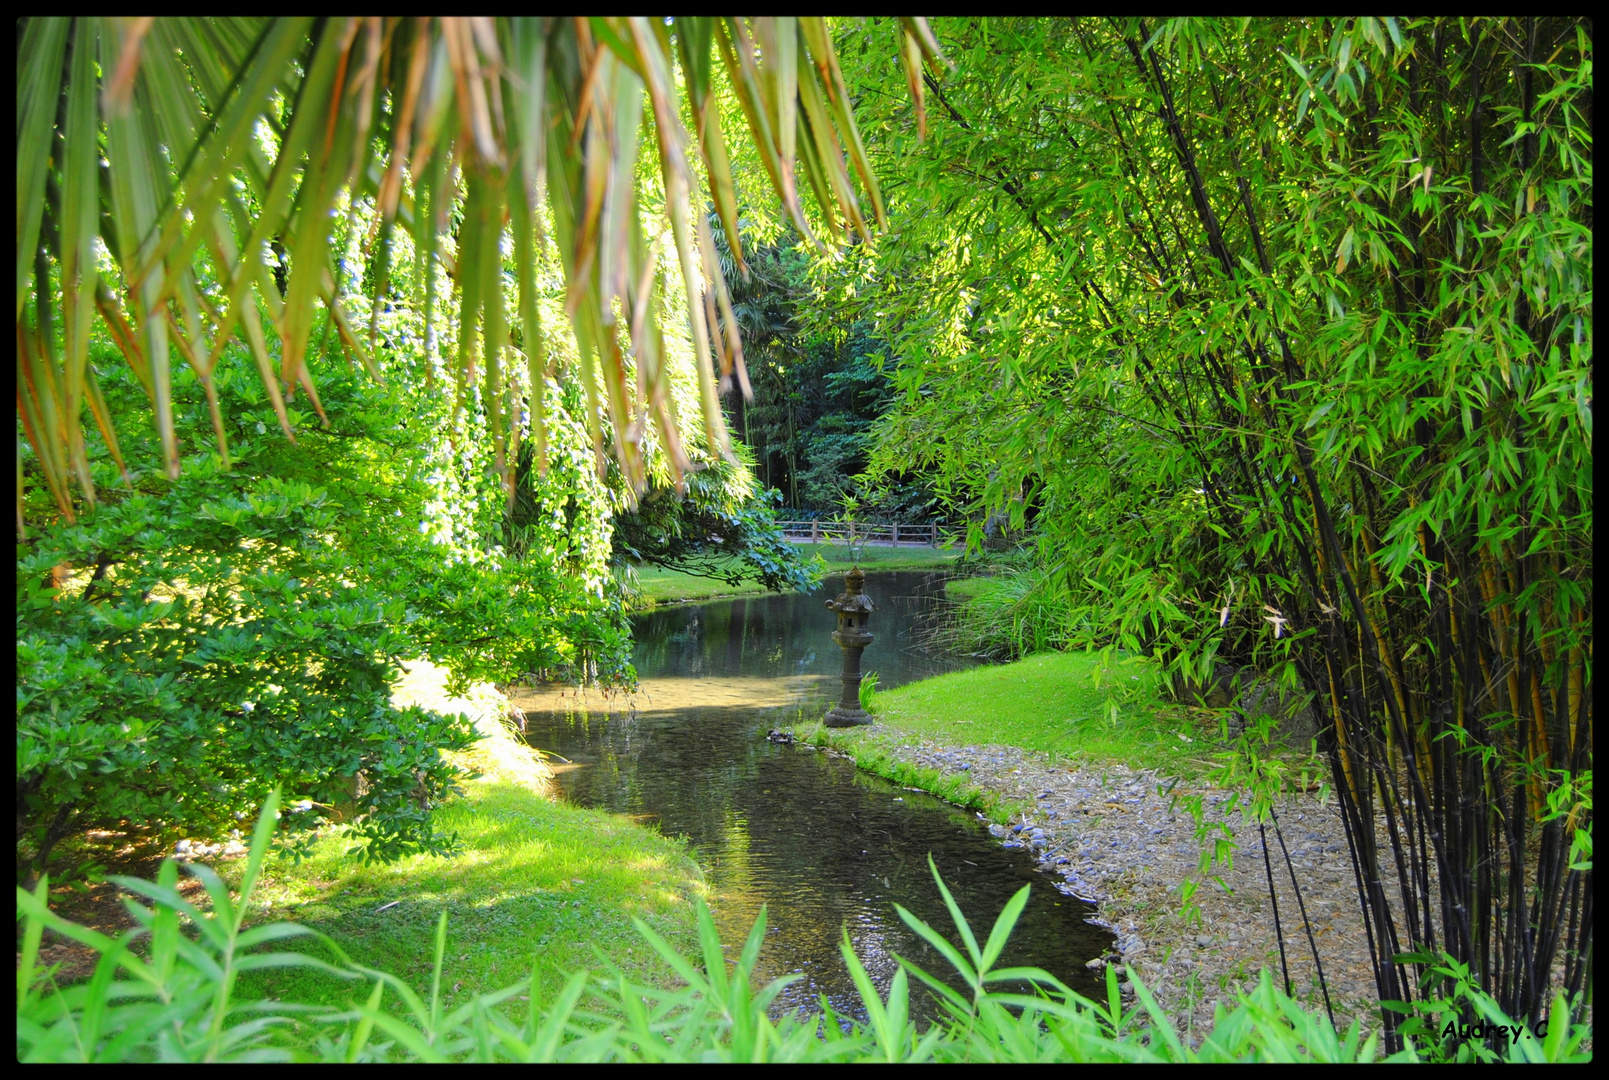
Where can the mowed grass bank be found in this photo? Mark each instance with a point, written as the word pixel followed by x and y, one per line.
pixel 538 882
pixel 1072 706
pixel 655 585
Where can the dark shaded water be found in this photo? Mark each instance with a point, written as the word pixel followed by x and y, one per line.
pixel 821 844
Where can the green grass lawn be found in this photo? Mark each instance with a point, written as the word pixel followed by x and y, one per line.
pixel 659 586
pixel 969 588
pixel 1058 703
pixel 1067 705
pixel 538 880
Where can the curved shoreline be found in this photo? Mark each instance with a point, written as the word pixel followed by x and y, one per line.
pixel 1123 839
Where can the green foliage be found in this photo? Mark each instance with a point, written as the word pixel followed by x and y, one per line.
pixel 819 388
pixel 212 157
pixel 179 1004
pixel 868 687
pixel 720 526
pixel 1279 333
pixel 240 628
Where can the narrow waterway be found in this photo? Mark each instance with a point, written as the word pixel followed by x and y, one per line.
pixel 820 844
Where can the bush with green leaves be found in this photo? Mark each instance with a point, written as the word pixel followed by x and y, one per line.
pixel 188 645
pixel 721 525
pixel 173 1001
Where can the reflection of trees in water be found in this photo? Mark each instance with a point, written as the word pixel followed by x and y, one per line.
pixel 782 635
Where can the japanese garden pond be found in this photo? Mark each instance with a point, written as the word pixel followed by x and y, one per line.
pixel 822 845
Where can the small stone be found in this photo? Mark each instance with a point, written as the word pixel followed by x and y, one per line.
pixel 1203 940
pixel 1096 964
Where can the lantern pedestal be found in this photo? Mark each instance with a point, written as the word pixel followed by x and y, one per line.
pixel 854 610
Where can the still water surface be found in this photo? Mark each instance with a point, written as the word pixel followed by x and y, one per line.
pixel 820 844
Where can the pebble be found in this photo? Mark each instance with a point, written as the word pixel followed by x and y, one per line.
pixel 1108 836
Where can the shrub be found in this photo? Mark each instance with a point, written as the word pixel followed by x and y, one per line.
pixel 240 628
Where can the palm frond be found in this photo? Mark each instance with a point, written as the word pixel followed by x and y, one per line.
pixel 511 122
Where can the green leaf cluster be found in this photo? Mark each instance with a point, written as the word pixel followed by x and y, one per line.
pixel 187 646
pixel 1279 333
pixel 177 1004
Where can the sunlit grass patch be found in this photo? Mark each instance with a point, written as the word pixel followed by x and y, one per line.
pixel 656 585
pixel 537 880
pixel 1073 705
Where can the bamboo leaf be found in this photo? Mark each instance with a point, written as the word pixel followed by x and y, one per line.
pixel 535 343
pixel 829 156
pixel 910 55
pixel 737 50
pixel 839 105
pixel 528 76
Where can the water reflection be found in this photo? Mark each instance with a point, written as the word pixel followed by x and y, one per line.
pixel 822 845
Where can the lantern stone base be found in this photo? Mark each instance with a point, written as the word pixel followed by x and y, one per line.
pixel 843 716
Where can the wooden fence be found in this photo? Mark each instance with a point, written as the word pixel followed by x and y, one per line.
pixel 842 532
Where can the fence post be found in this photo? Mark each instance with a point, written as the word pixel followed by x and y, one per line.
pixel 895 541
pixel 815 525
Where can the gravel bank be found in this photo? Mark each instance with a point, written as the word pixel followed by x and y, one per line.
pixel 1108 835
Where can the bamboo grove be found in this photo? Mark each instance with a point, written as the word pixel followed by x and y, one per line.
pixel 1284 328
pixel 143 137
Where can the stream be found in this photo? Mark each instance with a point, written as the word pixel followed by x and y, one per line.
pixel 822 845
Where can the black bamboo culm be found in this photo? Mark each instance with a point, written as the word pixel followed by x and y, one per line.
pixel 1273 898
pixel 1307 923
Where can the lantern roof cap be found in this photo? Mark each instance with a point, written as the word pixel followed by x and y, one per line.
pixel 852 601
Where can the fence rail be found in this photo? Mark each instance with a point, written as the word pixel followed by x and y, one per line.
pixel 815 532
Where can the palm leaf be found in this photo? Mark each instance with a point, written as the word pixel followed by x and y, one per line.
pixel 176 106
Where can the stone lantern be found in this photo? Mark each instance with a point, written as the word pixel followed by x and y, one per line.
pixel 854 610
